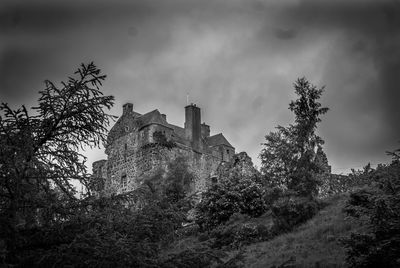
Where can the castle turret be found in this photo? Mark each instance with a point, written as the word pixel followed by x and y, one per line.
pixel 127 108
pixel 193 125
pixel 205 130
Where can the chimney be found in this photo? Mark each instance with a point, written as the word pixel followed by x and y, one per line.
pixel 205 130
pixel 193 125
pixel 127 108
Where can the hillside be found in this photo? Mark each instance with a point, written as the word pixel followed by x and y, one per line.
pixel 313 244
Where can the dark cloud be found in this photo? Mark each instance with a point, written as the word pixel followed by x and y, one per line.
pixel 55 17
pixel 236 59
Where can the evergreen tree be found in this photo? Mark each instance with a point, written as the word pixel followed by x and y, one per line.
pixel 39 156
pixel 289 157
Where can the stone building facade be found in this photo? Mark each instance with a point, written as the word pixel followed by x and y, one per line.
pixel 140 145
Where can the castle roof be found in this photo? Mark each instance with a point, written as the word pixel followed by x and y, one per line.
pixel 133 121
pixel 153 117
pixel 124 124
pixel 218 139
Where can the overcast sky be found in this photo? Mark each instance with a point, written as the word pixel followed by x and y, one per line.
pixel 237 60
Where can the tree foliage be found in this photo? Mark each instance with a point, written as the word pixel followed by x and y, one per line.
pixel 102 232
pixel 235 195
pixel 179 180
pixel 175 184
pixel 44 222
pixel 378 205
pixel 39 154
pixel 235 192
pixel 289 157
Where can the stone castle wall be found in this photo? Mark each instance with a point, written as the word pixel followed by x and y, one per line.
pixel 139 146
pixel 136 156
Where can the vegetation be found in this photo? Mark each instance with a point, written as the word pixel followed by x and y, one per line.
pixel 289 155
pixel 245 207
pixel 244 195
pixel 39 156
pixel 315 243
pixel 106 235
pixel 172 187
pixel 44 222
pixel 246 218
pixel 378 205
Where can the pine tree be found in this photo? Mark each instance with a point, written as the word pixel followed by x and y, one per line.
pixel 39 156
pixel 289 157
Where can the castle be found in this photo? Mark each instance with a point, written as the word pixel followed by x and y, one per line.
pixel 139 145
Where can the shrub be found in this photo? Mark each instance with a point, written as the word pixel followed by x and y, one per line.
pixel 243 195
pixel 105 235
pixel 239 234
pixel 289 211
pixel 379 205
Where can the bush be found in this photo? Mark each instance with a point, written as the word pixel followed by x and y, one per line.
pixel 289 211
pixel 379 206
pixel 236 235
pixel 243 195
pixel 107 234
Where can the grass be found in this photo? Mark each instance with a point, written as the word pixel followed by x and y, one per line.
pixel 316 243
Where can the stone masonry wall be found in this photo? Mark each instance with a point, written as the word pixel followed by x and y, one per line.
pixel 135 156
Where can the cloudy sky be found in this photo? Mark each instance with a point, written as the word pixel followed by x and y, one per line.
pixel 237 60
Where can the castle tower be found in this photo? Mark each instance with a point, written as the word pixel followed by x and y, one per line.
pixel 193 125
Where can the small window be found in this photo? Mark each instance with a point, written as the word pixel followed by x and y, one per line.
pixel 123 180
pixel 227 151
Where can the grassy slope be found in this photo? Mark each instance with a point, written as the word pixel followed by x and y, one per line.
pixel 313 244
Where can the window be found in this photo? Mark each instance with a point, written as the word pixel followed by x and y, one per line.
pixel 123 180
